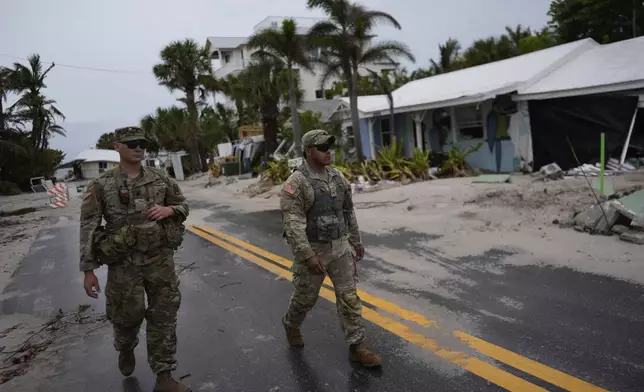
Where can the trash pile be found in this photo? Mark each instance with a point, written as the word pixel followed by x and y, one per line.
pixel 622 215
pixel 363 185
pixel 612 168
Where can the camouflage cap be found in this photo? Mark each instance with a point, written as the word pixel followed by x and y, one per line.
pixel 127 134
pixel 317 137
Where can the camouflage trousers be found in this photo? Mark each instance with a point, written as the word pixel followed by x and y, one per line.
pixel 342 272
pixel 125 307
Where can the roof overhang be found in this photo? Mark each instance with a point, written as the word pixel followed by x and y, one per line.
pixel 460 101
pixel 610 88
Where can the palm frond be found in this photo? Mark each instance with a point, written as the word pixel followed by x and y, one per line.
pixel 387 51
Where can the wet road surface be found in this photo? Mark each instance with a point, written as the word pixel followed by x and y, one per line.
pixel 573 331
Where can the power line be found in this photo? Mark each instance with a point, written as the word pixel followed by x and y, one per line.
pixel 82 67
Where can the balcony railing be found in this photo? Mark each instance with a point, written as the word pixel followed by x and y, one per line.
pixel 229 68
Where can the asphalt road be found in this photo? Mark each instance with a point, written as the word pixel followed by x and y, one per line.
pixel 574 331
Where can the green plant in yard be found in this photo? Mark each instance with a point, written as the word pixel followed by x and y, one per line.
pixel 456 165
pixel 418 164
pixel 277 171
pixel 391 162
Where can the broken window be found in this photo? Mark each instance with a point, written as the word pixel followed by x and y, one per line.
pixel 469 123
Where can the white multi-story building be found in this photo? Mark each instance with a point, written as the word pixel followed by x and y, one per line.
pixel 230 55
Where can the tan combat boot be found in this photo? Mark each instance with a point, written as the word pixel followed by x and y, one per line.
pixel 127 362
pixel 364 356
pixel 293 336
pixel 165 383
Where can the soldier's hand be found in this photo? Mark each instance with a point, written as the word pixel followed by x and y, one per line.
pixel 159 212
pixel 315 265
pixel 90 283
pixel 359 252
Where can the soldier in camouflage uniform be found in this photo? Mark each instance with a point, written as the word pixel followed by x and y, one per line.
pixel 320 226
pixel 144 211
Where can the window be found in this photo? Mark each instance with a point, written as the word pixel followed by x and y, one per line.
pixel 385 132
pixel 102 165
pixel 469 123
pixel 351 141
pixel 315 53
pixel 319 94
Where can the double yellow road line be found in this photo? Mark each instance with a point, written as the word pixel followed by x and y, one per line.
pixel 281 266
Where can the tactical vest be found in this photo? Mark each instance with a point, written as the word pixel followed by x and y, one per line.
pixel 325 220
pixel 135 233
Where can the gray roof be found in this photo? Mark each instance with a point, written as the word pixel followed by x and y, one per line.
pixel 226 42
pixel 325 107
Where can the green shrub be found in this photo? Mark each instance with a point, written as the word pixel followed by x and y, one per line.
pixel 8 188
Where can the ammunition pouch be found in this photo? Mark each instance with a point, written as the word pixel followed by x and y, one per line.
pixel 173 232
pixel 111 247
pixel 148 237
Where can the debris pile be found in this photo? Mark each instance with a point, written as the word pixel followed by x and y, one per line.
pixel 612 168
pixel 623 216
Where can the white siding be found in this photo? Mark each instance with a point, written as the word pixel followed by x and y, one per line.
pixel 92 170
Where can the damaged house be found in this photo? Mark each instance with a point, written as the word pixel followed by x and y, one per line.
pixel 521 109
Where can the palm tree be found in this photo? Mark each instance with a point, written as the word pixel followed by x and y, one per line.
pixel 170 128
pixel 287 46
pixel 186 66
pixel 344 41
pixel 233 87
pixel 265 84
pixel 384 84
pixel 32 105
pixel 449 57
pixel 516 35
pixel 218 125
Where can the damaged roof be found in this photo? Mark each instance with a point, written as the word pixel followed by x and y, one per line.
pixel 475 84
pixel 605 68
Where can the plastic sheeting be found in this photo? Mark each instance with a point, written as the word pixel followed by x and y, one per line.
pixel 582 119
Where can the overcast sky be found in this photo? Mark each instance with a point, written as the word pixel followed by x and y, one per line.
pixel 127 35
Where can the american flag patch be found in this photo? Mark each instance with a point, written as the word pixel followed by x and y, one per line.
pixel 288 188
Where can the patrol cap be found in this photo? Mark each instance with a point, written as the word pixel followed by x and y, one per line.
pixel 127 134
pixel 317 137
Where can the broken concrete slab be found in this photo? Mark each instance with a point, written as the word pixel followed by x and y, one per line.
pixel 619 229
pixel 638 222
pixel 492 178
pixel 593 219
pixel 634 202
pixel 552 171
pixel 636 237
pixel 609 189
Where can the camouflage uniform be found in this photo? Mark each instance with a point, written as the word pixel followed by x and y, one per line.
pixel 139 255
pixel 319 219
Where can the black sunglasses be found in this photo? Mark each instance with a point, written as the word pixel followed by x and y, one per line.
pixel 323 148
pixel 132 144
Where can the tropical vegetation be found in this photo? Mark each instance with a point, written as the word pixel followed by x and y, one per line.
pixel 27 125
pixel 267 91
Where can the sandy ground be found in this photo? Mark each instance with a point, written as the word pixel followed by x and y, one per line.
pixel 468 218
pixel 17 233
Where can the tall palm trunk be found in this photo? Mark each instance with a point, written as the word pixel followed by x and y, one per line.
pixel 193 139
pixel 355 120
pixel 270 125
pixel 295 118
pixel 2 121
